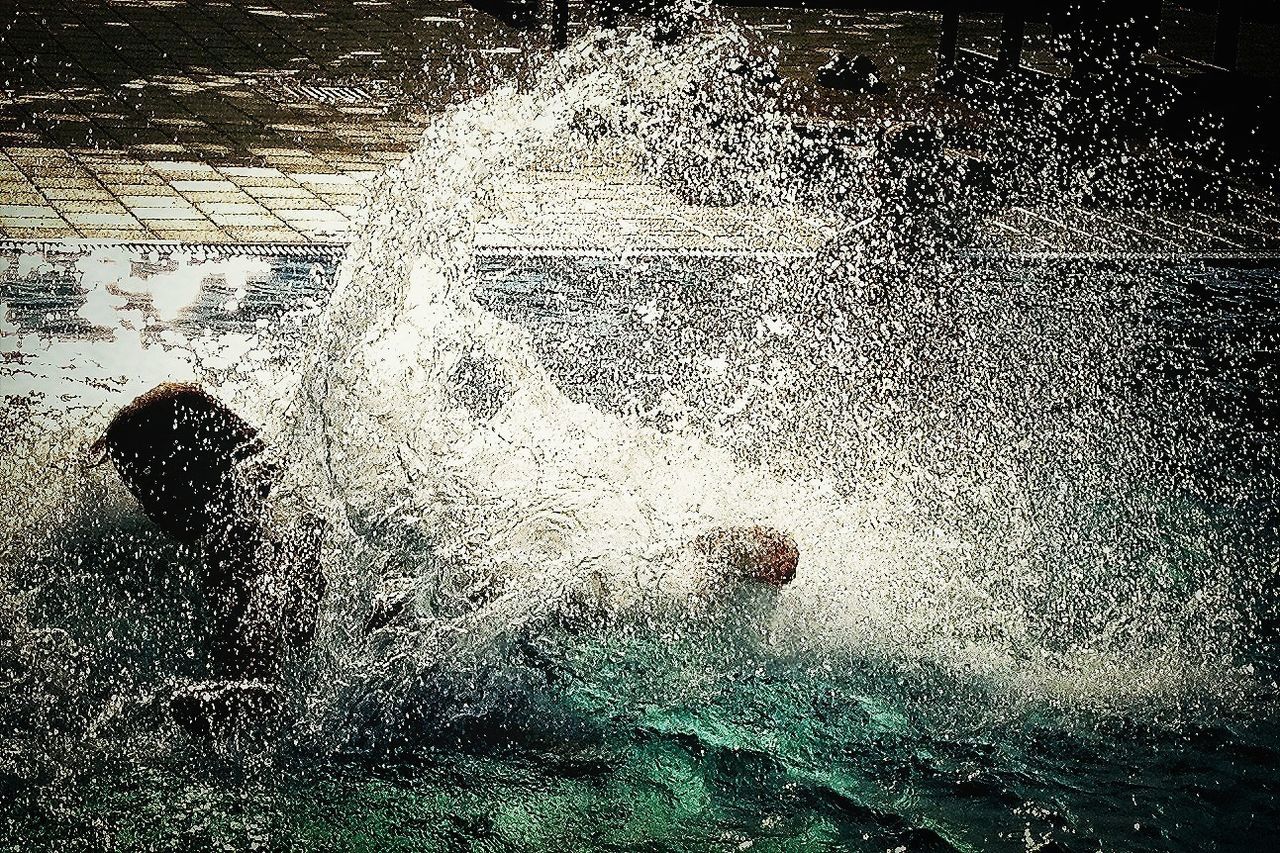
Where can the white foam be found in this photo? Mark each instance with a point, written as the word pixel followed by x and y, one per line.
pixel 552 497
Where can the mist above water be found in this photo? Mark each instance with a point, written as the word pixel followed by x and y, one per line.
pixel 975 459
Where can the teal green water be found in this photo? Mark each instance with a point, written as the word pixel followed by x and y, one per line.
pixel 761 758
pixel 651 730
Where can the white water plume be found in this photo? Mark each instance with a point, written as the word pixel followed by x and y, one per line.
pixel 958 451
pixel 960 521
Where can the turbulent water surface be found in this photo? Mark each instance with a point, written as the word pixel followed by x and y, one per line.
pixel 1034 501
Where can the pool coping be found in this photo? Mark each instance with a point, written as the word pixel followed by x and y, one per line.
pixel 336 250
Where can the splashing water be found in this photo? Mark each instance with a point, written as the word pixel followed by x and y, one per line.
pixel 1034 551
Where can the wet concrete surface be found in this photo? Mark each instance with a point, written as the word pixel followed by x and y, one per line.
pixel 220 122
pixel 205 122
pixel 223 121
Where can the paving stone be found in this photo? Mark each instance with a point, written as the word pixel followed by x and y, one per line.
pixel 206 234
pixel 183 169
pixel 279 194
pixel 11 223
pixel 335 178
pixel 125 234
pixel 310 206
pixel 27 211
pixel 178 223
pixel 167 214
pixel 57 196
pixel 117 173
pixel 245 220
pixel 102 220
pixel 337 200
pixel 61 180
pixel 39 153
pixel 162 196
pixel 114 174
pixel 324 236
pixel 18 232
pixel 222 208
pixel 203 186
pixel 26 198
pixel 251 172
pixel 313 218
pixel 221 196
pixel 264 235
pixel 96 206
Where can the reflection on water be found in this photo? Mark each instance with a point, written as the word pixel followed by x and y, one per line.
pixel 86 326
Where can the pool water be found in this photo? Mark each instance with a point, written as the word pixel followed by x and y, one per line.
pixel 1035 504
pixel 640 734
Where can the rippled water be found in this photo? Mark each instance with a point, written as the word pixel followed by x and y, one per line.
pixel 1034 501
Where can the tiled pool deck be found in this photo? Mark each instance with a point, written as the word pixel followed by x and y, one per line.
pixel 261 122
pixel 50 193
pixel 214 122
pixel 140 120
